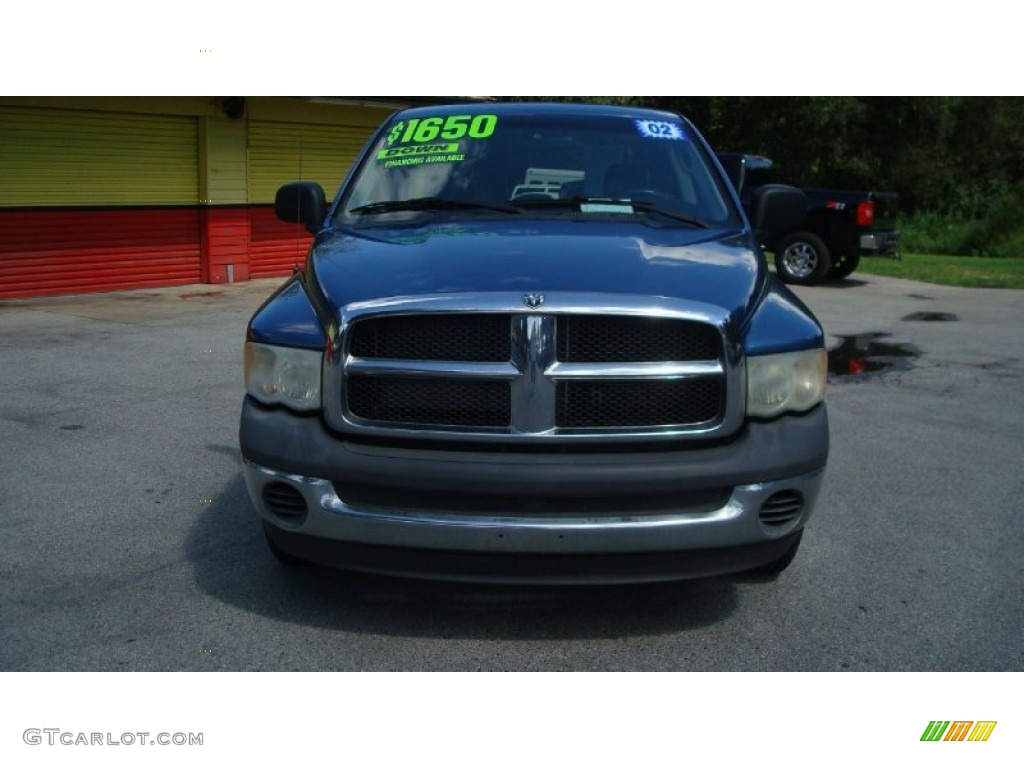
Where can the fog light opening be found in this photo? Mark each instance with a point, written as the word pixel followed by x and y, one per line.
pixel 285 502
pixel 781 508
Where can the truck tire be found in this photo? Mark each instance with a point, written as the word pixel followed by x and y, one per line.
pixel 843 266
pixel 802 258
pixel 777 566
pixel 285 558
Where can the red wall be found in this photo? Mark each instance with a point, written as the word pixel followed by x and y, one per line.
pixel 275 247
pixel 225 241
pixel 56 251
pixel 50 251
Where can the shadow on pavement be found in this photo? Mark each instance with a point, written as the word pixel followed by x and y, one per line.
pixel 232 563
pixel 846 282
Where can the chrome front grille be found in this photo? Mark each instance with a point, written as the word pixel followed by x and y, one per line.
pixel 583 367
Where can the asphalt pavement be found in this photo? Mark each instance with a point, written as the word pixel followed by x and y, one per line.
pixel 128 541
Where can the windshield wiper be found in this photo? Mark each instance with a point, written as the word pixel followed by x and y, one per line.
pixel 430 204
pixel 652 208
pixel 639 205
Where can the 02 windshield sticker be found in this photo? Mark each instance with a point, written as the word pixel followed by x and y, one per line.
pixel 410 142
pixel 660 129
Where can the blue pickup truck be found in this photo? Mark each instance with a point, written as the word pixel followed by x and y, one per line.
pixel 535 343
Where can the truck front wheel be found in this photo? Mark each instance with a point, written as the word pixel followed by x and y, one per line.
pixel 802 258
pixel 777 566
pixel 283 557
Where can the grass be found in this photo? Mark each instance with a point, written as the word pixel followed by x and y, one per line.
pixel 966 271
pixel 994 229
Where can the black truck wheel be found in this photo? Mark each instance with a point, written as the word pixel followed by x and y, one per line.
pixel 843 266
pixel 777 566
pixel 285 558
pixel 802 258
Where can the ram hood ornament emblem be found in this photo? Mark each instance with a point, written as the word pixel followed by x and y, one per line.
pixel 533 300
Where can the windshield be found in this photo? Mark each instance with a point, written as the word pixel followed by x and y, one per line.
pixel 537 165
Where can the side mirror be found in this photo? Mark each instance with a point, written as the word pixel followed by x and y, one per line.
pixel 301 202
pixel 777 208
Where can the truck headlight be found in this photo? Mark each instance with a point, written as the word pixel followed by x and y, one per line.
pixel 283 375
pixel 790 381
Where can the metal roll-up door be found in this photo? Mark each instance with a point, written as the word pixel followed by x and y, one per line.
pixel 283 152
pixel 96 201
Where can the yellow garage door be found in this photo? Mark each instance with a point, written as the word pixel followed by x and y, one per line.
pixel 52 157
pixel 96 201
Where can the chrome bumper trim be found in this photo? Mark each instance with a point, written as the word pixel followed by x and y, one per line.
pixel 735 523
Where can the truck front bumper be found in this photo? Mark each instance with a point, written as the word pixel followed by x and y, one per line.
pixel 577 516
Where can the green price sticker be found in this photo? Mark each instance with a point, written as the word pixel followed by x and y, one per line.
pixel 423 149
pixel 453 127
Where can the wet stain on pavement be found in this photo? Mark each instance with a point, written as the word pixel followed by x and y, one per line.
pixel 865 353
pixel 931 317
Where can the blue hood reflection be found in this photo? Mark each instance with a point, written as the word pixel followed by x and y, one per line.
pixel 711 266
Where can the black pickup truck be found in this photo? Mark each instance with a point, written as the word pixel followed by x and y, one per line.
pixel 840 225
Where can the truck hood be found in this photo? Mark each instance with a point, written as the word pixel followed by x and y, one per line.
pixel 716 267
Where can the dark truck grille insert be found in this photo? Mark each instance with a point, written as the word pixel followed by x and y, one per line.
pixel 435 402
pixel 466 337
pixel 677 402
pixel 529 502
pixel 607 339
